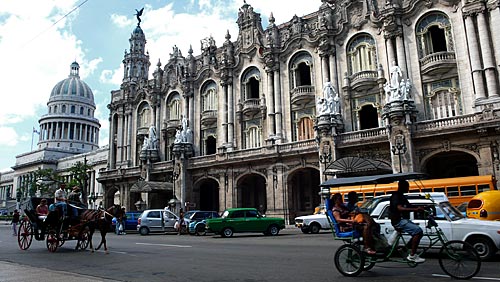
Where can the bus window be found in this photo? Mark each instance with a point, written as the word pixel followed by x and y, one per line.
pixel 439 189
pixel 483 187
pixel 452 191
pixel 426 190
pixel 468 190
pixel 379 193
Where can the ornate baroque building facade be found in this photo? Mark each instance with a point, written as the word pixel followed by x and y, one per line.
pixel 259 136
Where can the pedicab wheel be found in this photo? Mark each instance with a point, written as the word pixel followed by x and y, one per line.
pixel 349 260
pixel 459 259
pixel 25 234
pixel 52 241
pixel 84 239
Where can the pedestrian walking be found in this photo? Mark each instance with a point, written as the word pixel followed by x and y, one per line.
pixel 15 220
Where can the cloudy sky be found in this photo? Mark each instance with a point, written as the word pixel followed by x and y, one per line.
pixel 39 39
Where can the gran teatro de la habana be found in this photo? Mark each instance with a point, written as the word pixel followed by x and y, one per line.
pixel 261 119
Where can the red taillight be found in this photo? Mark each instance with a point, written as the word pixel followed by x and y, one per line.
pixel 139 221
pixel 483 213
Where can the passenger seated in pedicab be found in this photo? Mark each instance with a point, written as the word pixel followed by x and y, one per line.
pixel 42 210
pixel 348 221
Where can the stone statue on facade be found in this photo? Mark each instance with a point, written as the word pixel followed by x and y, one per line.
pixel 397 89
pixel 330 103
pixel 185 134
pixel 150 142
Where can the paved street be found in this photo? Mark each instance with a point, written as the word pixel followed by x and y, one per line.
pixel 292 256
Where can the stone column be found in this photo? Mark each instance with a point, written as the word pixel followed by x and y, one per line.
pixel 277 105
pixel 390 51
pixel 230 108
pixel 334 76
pixel 475 61
pixel 119 141
pixel 495 22
pixel 224 113
pixel 271 123
pixel 401 55
pixel 324 68
pixel 488 60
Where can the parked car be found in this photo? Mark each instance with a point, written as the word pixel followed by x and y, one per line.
pixel 156 220
pixel 238 220
pixel 485 205
pixel 312 223
pixel 195 220
pixel 483 235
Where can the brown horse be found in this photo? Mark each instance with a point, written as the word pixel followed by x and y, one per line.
pixel 100 219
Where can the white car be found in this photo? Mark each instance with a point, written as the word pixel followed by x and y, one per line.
pixel 312 223
pixel 484 235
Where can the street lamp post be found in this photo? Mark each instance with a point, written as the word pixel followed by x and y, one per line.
pixel 399 148
pixel 325 158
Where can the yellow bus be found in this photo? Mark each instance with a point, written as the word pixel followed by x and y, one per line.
pixel 457 189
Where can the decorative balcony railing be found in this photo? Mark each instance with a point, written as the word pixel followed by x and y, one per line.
pixel 363 79
pixel 451 122
pixel 438 62
pixel 301 95
pixel 208 117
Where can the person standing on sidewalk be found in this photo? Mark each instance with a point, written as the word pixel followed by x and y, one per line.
pixel 15 220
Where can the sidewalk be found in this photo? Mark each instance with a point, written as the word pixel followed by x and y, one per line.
pixel 13 272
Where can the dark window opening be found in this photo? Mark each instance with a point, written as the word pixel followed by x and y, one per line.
pixel 304 77
pixel 72 109
pixel 253 88
pixel 368 117
pixel 210 144
pixel 438 39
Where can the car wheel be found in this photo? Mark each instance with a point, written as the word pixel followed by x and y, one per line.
pixel 144 231
pixel 200 230
pixel 314 228
pixel 227 232
pixel 304 229
pixel 483 246
pixel 273 230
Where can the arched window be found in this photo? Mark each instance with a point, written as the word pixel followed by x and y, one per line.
pixel 252 137
pixel 251 84
pixel 209 97
pixel 361 54
pixel 444 102
pixel 63 109
pixel 368 117
pixel 434 34
pixel 73 109
pixel 81 110
pixel 144 115
pixel 300 70
pixel 174 107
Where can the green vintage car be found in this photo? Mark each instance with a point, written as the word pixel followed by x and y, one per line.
pixel 238 220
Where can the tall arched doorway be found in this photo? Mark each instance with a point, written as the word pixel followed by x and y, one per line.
pixel 252 192
pixel 451 164
pixel 303 195
pixel 208 196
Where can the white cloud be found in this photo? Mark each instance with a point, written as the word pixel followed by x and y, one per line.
pixel 121 21
pixel 8 136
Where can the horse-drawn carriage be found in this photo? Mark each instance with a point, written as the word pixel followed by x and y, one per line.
pixel 58 227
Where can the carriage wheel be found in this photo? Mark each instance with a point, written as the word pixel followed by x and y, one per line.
pixel 25 234
pixel 84 239
pixel 52 241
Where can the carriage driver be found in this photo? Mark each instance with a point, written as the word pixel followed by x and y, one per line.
pixel 60 200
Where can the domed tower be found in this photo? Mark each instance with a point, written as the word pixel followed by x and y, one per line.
pixel 70 124
pixel 136 61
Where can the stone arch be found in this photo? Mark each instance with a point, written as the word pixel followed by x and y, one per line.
pixel 356 166
pixel 251 191
pixel 451 163
pixel 303 191
pixel 206 194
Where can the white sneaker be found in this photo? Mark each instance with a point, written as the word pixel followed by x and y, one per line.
pixel 415 259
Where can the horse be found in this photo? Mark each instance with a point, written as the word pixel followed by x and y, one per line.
pixel 100 219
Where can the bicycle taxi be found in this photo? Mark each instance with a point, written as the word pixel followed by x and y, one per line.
pixel 54 228
pixel 456 258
